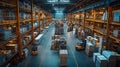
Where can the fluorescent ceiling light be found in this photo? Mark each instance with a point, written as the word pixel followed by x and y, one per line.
pixel 58 0
pixel 64 0
pixel 52 0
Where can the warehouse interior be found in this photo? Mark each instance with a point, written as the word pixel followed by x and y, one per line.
pixel 59 33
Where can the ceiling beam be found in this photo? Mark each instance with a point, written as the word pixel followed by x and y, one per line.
pixel 101 3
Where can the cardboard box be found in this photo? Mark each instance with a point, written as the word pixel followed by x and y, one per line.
pixel 63 57
pixel 101 61
pixel 95 56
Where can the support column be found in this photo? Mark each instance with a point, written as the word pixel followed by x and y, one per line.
pixel 94 17
pixel 18 29
pixel 43 19
pixel 39 19
pixel 84 22
pixel 32 22
pixel 109 20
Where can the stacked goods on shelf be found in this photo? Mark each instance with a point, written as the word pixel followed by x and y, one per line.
pixel 27 39
pixel 22 30
pixel 8 45
pixel 24 16
pixel 7 51
pixel 7 16
pixel 12 45
pixel 1 18
pixel 114 41
pixel 115 30
pixel 103 22
pixel 5 34
pixel 116 33
pixel 4 56
pixel 116 14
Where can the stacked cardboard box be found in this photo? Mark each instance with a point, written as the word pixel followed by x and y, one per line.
pixel 109 56
pixel 112 57
pixel 63 57
pixel 95 56
pixel 101 61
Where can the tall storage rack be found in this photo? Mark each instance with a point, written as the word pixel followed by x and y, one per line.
pixel 20 23
pixel 102 21
pixel 8 24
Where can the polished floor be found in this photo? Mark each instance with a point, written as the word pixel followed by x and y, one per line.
pixel 50 58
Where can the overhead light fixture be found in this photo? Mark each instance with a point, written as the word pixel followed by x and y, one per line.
pixel 52 0
pixel 64 0
pixel 58 1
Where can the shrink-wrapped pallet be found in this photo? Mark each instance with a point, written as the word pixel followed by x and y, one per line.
pixel 89 49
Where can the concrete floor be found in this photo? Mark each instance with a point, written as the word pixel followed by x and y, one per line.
pixel 50 58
